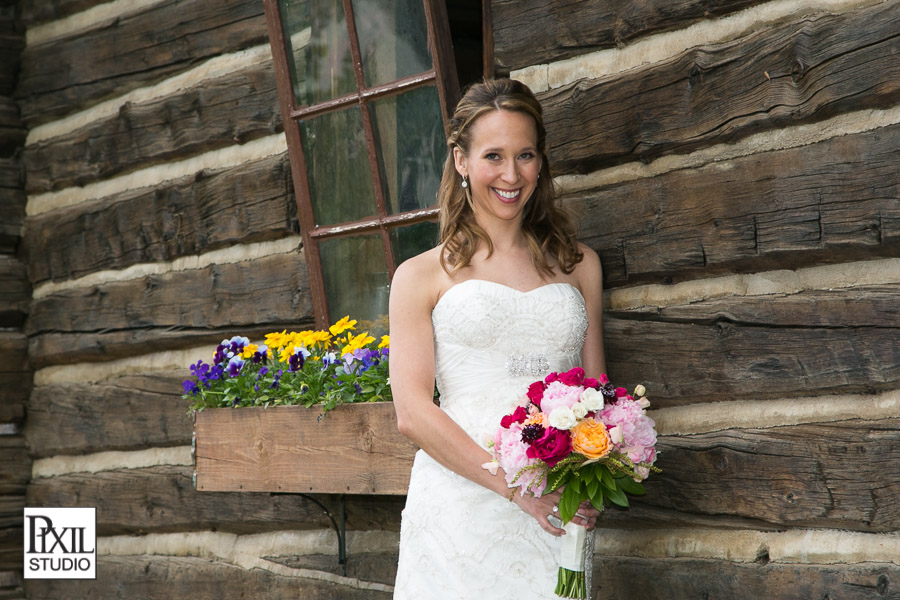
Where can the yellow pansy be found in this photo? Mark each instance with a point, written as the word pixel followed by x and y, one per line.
pixel 355 342
pixel 249 350
pixel 342 326
pixel 385 341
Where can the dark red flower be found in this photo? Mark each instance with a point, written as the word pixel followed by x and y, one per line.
pixel 536 392
pixel 572 376
pixel 518 416
pixel 552 447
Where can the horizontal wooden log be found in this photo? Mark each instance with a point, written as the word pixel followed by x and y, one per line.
pixel 12 130
pixel 626 578
pixel 15 292
pixel 379 567
pixel 35 12
pixel 843 475
pixel 12 204
pixel 686 362
pixel 75 418
pixel 163 499
pixel 236 108
pixel 15 376
pixel 354 449
pixel 250 297
pixel 817 67
pixel 11 554
pixel 62 76
pixel 15 467
pixel 191 215
pixel 833 201
pixel 536 32
pixel 11 584
pixel 158 577
pixel 50 349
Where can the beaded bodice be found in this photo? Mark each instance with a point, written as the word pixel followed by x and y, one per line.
pixel 491 341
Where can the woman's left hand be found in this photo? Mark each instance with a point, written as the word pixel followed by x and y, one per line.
pixel 586 515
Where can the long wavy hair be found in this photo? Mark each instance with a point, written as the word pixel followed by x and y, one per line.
pixel 547 227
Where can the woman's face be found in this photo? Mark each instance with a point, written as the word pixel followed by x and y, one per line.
pixel 502 164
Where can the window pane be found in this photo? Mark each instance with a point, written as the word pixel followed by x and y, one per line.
pixel 409 135
pixel 356 278
pixel 340 183
pixel 392 39
pixel 411 240
pixel 318 50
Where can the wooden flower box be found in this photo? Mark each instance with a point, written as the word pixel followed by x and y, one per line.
pixel 353 449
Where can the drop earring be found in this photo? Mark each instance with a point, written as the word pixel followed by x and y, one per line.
pixel 464 183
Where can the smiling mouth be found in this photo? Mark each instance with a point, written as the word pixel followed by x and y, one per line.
pixel 507 194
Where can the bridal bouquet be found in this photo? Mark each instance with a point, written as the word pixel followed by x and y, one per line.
pixel 586 436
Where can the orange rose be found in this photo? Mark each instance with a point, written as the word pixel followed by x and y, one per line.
pixel 590 439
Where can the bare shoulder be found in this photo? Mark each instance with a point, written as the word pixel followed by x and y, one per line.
pixel 418 279
pixel 589 272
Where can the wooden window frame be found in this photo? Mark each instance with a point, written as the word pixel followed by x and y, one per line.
pixel 442 75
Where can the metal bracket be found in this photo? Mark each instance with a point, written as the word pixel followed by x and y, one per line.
pixel 339 526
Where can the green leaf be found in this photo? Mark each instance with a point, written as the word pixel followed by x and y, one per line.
pixel 569 503
pixel 606 477
pixel 630 486
pixel 557 478
pixel 591 485
pixel 617 496
pixel 597 499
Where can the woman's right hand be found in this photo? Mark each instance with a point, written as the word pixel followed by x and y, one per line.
pixel 541 508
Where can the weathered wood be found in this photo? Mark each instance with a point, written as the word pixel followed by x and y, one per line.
pixel 533 32
pixel 834 201
pixel 843 475
pixel 15 467
pixel 153 577
pixel 12 130
pixel 11 584
pixel 163 499
pixel 626 578
pixel 236 108
pixel 11 550
pixel 36 12
pixel 190 215
pixel 817 67
pixel 69 348
pixel 688 362
pixel 15 292
pixel 74 418
pixel 380 567
pixel 263 294
pixel 354 449
pixel 15 375
pixel 63 76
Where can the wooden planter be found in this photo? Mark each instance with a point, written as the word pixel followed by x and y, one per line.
pixel 354 449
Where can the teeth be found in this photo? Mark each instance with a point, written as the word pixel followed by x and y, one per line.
pixel 507 195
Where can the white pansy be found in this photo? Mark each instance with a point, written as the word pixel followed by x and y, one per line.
pixel 592 399
pixel 579 410
pixel 615 434
pixel 563 418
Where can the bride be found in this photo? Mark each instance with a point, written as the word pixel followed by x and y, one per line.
pixel 507 297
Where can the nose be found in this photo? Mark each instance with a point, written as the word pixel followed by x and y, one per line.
pixel 511 172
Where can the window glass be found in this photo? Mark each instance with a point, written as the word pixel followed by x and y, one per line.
pixel 393 40
pixel 410 240
pixel 337 165
pixel 356 278
pixel 318 51
pixel 409 134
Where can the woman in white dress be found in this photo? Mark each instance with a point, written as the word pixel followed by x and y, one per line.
pixel 507 297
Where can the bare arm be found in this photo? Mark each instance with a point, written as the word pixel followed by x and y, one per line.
pixel 590 281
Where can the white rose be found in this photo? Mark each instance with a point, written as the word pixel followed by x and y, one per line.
pixel 563 418
pixel 579 410
pixel 640 390
pixel 592 399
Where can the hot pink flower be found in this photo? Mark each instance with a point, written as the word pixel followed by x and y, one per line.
pixel 519 415
pixel 603 379
pixel 572 376
pixel 590 382
pixel 535 392
pixel 552 447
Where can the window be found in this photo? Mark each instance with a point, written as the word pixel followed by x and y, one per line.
pixel 365 88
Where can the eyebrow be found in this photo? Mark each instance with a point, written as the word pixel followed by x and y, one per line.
pixel 499 149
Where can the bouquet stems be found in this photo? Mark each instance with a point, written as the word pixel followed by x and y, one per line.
pixel 570 581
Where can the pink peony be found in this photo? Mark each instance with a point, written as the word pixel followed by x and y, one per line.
pixel 559 394
pixel 552 447
pixel 637 429
pixel 512 454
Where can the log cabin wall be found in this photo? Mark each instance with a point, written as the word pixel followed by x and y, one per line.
pixel 735 165
pixel 160 219
pixel 15 294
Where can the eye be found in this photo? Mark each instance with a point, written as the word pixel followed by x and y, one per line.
pixel 526 155
pixel 492 156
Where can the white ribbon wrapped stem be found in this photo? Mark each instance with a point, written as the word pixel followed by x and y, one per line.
pixel 571 553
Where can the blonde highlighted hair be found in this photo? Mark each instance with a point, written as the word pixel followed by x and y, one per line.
pixel 547 227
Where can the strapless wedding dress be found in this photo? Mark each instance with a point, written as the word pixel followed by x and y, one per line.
pixel 458 540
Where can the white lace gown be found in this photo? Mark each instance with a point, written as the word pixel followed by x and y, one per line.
pixel 459 540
